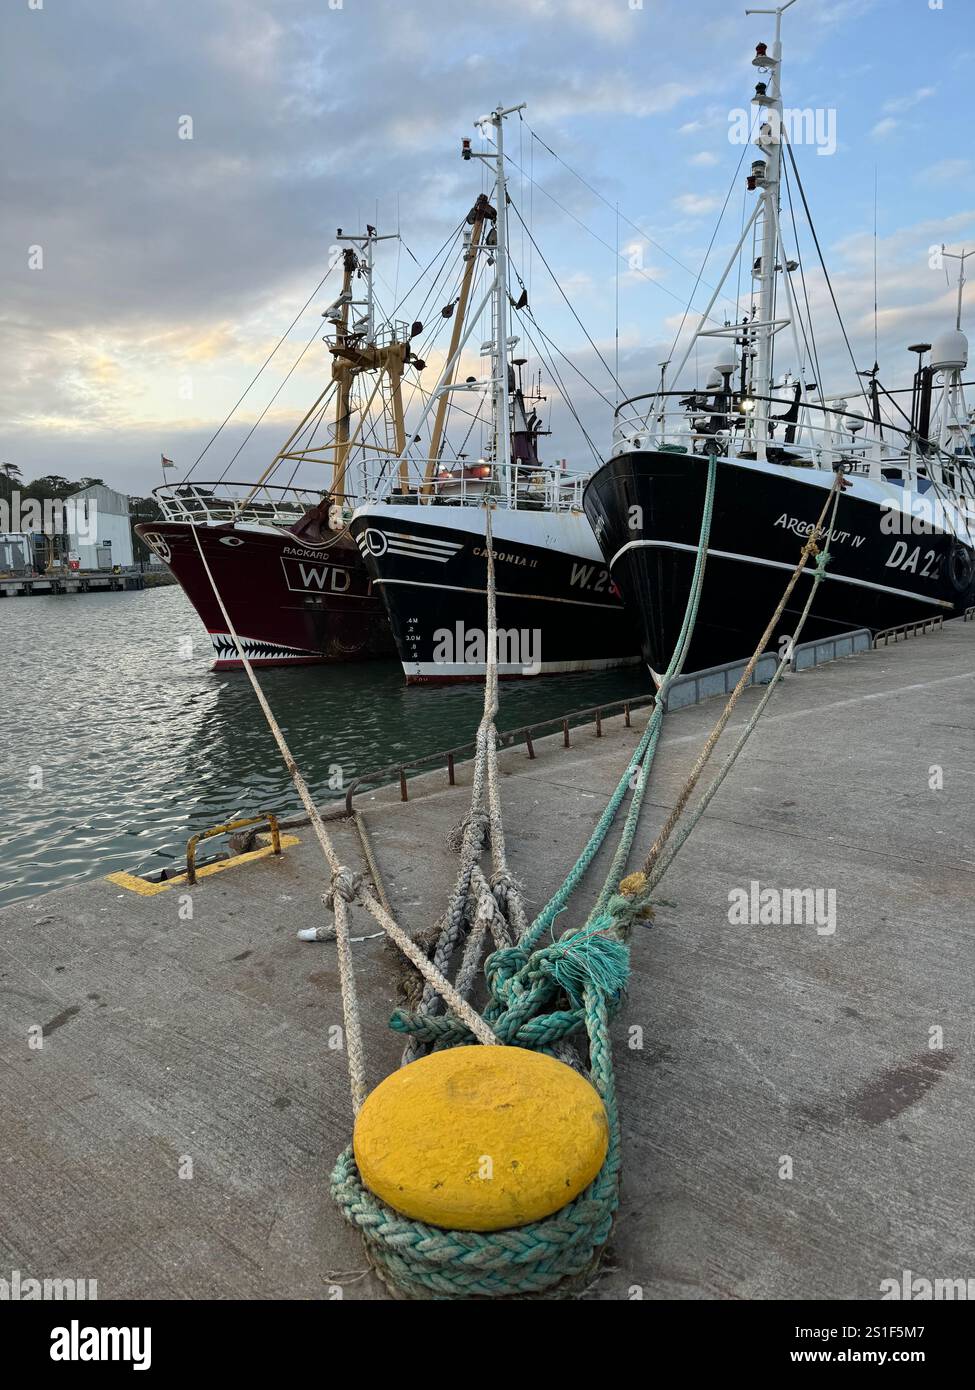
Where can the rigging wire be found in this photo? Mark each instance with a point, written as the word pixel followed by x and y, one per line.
pixel 425 270
pixel 630 223
pixel 700 273
pixel 567 399
pixel 277 393
pixel 566 298
pixel 813 349
pixel 822 262
pixel 261 368
pixel 596 237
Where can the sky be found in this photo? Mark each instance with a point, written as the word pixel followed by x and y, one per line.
pixel 146 275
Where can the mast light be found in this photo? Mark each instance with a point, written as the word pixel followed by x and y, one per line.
pixel 465 148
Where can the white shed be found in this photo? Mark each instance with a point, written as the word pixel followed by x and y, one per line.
pixel 100 529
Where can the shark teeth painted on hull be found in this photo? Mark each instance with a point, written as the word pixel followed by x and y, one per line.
pixel 254 649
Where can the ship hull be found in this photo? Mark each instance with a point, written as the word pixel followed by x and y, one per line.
pixel 557 608
pixel 290 603
pixel 646 506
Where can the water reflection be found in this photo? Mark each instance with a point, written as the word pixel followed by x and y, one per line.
pixel 120 741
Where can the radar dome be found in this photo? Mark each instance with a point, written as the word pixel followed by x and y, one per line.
pixel 950 351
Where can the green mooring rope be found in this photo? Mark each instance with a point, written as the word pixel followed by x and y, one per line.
pixel 539 996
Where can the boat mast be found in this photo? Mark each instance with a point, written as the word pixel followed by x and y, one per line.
pixel 357 351
pixel 479 212
pixel 502 411
pixel 353 351
pixel 343 371
pixel 500 395
pixel 769 141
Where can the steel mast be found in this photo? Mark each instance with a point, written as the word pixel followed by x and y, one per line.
pixel 769 141
pixel 502 406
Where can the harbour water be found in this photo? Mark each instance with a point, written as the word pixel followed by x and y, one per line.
pixel 120 742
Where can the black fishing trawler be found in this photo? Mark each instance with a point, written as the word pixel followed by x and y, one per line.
pixel 902 548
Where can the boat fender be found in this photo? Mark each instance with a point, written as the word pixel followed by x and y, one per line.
pixel 961 567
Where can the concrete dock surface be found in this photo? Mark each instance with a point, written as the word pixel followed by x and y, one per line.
pixel 797 1102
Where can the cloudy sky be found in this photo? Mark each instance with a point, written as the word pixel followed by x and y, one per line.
pixel 146 276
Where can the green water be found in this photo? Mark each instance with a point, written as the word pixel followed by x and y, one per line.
pixel 111 707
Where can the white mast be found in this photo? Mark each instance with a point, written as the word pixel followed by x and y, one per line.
pixel 502 407
pixel 949 356
pixel 498 293
pixel 769 141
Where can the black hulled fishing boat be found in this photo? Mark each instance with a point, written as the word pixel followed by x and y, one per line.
pixel 903 544
pixel 422 533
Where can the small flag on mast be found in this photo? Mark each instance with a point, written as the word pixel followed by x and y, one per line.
pixel 167 463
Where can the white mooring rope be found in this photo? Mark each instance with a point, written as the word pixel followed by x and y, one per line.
pixel 345 890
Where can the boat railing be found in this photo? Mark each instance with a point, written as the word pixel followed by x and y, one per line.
pixel 823 435
pixel 459 482
pixel 203 502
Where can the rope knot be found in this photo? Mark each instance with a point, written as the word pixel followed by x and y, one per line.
pixel 631 902
pixel 345 884
pixel 811 548
pixel 502 884
pixel 502 966
pixel 633 884
pixel 454 839
pixel 587 959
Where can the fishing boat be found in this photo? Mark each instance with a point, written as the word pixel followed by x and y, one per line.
pixel 288 575
pixel 421 533
pixel 902 548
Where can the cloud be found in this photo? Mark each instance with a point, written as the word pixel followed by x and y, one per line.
pixel 172 264
pixel 696 204
pixel 946 171
pixel 912 99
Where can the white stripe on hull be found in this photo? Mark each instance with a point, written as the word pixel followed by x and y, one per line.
pixel 471 670
pixel 501 593
pixel 779 565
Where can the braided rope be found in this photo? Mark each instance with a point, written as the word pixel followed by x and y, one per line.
pixel 808 550
pixel 540 997
pixel 662 864
pixel 636 890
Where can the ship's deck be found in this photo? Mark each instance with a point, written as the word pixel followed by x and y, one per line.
pixel 208 1039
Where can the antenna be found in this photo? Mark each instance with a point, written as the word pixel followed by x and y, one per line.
pixel 876 359
pixel 961 257
pixel 617 367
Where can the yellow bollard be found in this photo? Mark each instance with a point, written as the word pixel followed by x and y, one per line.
pixel 481 1138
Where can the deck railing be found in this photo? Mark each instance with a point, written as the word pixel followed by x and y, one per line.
pixel 219 501
pixel 822 436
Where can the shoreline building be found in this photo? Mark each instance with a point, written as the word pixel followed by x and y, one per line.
pixel 101 528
